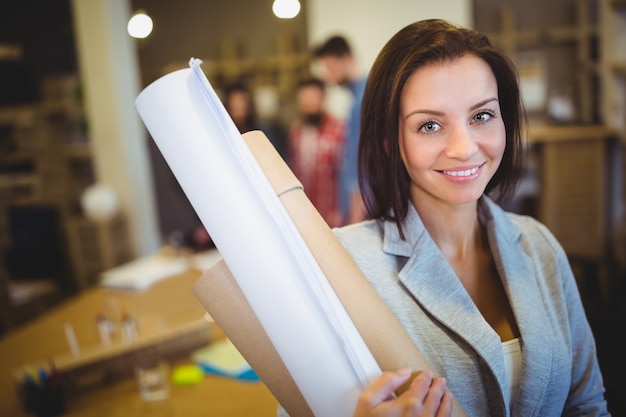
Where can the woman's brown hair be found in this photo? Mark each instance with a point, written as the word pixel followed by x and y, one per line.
pixel 383 177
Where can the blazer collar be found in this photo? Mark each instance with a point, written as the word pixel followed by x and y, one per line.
pixel 488 212
pixel 433 283
pixel 520 280
pixel 435 286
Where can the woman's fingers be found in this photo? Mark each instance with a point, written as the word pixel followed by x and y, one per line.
pixel 382 388
pixel 434 395
pixel 445 408
pixel 425 396
pixel 413 400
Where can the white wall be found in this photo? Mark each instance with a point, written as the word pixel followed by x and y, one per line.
pixel 368 24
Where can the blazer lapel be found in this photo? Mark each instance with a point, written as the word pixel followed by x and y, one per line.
pixel 518 276
pixel 435 286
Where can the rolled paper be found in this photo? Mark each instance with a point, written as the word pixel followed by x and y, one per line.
pixel 289 297
pixel 384 335
pixel 373 319
pixel 222 298
pixel 284 285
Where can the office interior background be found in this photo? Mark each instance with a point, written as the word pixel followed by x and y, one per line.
pixel 69 74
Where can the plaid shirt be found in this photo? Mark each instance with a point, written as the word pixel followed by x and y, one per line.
pixel 315 156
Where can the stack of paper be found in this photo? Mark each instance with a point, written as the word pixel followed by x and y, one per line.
pixel 141 273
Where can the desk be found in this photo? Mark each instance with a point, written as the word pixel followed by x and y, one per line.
pixel 164 307
pixel 213 397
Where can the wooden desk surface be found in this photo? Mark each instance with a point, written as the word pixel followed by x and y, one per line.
pixel 213 397
pixel 162 307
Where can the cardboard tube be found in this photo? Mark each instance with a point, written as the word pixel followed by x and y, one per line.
pixel 219 293
pixel 373 319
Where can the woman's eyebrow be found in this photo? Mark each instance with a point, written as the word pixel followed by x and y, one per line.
pixel 482 103
pixel 439 113
pixel 425 111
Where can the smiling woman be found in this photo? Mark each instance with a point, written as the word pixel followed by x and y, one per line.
pixel 488 296
pixel 450 148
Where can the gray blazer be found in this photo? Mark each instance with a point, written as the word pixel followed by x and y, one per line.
pixel 560 372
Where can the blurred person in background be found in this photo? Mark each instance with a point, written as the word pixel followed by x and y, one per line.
pixel 315 146
pixel 239 103
pixel 339 67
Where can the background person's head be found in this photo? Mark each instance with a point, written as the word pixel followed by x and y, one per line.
pixel 310 97
pixel 336 61
pixel 423 43
pixel 238 103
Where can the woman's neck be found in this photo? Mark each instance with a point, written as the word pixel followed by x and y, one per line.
pixel 455 228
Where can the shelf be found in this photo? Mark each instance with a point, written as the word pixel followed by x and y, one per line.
pixel 619 68
pixel 550 134
pixel 619 4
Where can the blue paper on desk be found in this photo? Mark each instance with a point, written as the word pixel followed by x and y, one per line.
pixel 222 358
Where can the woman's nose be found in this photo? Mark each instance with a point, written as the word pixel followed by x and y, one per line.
pixel 461 144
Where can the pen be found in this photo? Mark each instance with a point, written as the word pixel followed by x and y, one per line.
pixel 43 377
pixel 30 378
pixel 53 375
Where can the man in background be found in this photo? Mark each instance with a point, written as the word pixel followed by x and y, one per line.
pixel 339 67
pixel 316 150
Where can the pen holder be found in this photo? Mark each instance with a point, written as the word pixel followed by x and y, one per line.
pixel 42 400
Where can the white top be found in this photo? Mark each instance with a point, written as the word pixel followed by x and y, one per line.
pixel 512 350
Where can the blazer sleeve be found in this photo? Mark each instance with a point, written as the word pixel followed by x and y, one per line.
pixel 586 396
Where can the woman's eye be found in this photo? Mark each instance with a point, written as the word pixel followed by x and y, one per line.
pixel 483 117
pixel 429 127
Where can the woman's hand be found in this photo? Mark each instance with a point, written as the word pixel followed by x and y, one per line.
pixel 425 397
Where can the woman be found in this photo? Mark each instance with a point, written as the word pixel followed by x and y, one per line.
pixel 487 296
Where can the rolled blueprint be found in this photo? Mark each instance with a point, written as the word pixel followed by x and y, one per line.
pixel 284 285
pixel 289 297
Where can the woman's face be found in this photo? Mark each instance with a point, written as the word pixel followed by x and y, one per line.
pixel 451 132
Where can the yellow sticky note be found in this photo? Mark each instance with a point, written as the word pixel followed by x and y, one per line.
pixel 187 375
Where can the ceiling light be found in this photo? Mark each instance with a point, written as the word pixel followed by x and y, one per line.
pixel 140 25
pixel 286 9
